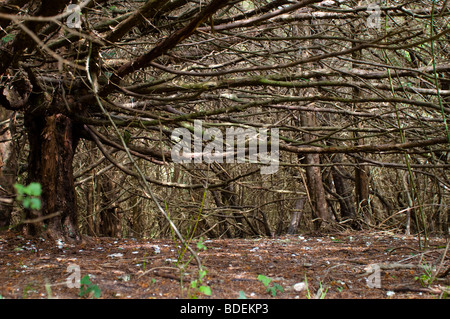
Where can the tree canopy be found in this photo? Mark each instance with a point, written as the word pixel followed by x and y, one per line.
pixel 358 91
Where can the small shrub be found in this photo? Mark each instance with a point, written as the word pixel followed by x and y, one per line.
pixel 87 288
pixel 272 289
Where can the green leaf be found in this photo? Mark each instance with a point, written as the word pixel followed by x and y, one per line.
pixel 265 280
pixel 28 195
pixel 26 202
pixel 34 189
pixel 97 291
pixel 206 290
pixel 272 290
pixel 20 189
pixel 87 287
pixel 85 280
pixel 202 273
pixel 35 203
pixel 200 244
pixel 278 287
pixel 242 295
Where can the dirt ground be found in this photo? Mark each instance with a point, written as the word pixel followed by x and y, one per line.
pixel 354 265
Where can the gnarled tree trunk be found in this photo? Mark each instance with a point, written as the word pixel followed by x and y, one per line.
pixel 52 145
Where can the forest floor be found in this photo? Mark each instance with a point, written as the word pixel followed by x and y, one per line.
pixel 354 265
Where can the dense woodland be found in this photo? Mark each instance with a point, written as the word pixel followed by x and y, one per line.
pixel 90 97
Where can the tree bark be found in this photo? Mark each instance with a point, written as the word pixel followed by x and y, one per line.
pixel 362 189
pixel 91 220
pixel 344 190
pixel 227 197
pixel 314 177
pixel 110 220
pixel 361 176
pixel 8 167
pixel 296 215
pixel 52 145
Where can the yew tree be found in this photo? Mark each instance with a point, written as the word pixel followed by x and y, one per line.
pixel 59 107
pixel 350 85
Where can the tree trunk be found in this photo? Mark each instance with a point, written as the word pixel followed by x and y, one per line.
pixel 8 167
pixel 361 176
pixel 91 220
pixel 344 190
pixel 314 177
pixel 110 220
pixel 362 189
pixel 52 145
pixel 296 215
pixel 227 197
pixel 308 119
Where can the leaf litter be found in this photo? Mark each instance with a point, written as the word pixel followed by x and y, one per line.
pixel 300 266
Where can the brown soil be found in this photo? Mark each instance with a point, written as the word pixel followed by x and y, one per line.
pixel 141 269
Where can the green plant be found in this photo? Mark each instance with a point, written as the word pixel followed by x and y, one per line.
pixel 29 195
pixel 198 286
pixel 48 289
pixel 426 278
pixel 190 234
pixel 308 293
pixel 320 294
pixel 7 38
pixel 336 240
pixel 88 288
pixel 272 289
pixel 444 295
pixel 201 245
pixel 242 295
pixel 28 288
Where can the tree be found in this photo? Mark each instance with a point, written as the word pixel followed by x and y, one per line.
pixel 128 74
pixel 8 170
